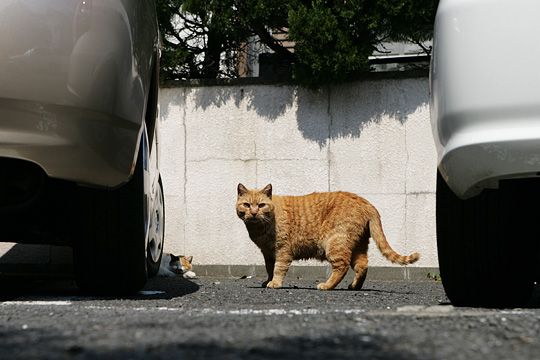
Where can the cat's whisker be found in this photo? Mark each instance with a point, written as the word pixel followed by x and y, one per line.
pixel 265 219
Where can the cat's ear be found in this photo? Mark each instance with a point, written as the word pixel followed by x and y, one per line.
pixel 241 190
pixel 267 190
pixel 189 259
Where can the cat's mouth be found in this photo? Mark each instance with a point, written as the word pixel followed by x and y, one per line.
pixel 253 220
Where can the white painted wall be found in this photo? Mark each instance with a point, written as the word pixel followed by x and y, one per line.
pixel 368 137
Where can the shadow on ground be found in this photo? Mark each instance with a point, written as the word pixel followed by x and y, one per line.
pixel 46 286
pixel 333 345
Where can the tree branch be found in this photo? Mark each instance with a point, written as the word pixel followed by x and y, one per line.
pixel 272 43
pixel 427 50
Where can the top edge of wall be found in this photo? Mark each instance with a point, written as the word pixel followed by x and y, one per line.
pixel 380 75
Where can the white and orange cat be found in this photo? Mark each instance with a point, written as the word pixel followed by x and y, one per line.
pixel 172 265
pixel 332 226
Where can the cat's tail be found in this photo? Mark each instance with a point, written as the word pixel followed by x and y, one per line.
pixel 377 233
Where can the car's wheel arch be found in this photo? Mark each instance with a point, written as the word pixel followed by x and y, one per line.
pixel 152 105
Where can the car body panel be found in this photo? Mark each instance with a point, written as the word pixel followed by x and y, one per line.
pixel 74 79
pixel 485 92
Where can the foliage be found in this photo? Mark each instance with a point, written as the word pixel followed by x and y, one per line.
pixel 333 38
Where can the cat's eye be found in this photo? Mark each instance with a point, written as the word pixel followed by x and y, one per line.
pixel 261 205
pixel 248 205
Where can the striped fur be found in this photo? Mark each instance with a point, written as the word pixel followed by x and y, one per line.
pixel 332 226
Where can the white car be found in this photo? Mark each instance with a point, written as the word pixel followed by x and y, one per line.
pixel 78 142
pixel 485 112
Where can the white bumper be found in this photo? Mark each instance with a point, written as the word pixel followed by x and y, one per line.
pixel 485 92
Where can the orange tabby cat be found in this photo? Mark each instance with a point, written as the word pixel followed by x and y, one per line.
pixel 333 226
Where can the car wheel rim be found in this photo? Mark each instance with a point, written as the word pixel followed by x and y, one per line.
pixel 156 233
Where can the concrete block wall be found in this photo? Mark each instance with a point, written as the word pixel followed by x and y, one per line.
pixel 370 137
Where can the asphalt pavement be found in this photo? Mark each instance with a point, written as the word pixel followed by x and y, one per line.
pixel 226 318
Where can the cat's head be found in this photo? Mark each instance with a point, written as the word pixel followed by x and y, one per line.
pixel 254 206
pixel 181 264
pixel 186 263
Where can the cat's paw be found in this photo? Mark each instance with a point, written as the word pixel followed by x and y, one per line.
pixel 355 286
pixel 323 286
pixel 189 275
pixel 273 285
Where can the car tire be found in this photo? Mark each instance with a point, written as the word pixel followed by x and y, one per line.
pixel 110 249
pixel 485 245
pixel 156 230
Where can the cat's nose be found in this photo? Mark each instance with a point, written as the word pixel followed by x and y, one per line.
pixel 253 210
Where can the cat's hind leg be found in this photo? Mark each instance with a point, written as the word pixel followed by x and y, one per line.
pixel 165 272
pixel 359 263
pixel 338 255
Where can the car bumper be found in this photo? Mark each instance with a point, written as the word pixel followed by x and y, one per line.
pixel 485 108
pixel 478 158
pixel 86 147
pixel 74 79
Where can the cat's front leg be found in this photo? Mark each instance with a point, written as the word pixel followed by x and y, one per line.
pixel 269 261
pixel 280 270
pixel 189 275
